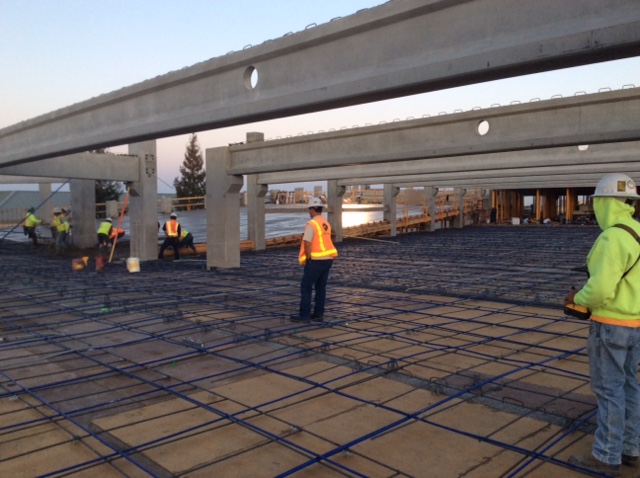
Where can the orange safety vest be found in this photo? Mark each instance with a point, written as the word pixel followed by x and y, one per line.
pixel 172 228
pixel 321 244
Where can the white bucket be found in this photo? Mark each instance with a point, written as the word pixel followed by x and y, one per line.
pixel 133 264
pixel 515 221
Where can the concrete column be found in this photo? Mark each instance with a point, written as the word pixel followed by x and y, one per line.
pixel 430 194
pixel 459 221
pixel 45 211
pixel 390 207
pixel 143 203
pixel 223 212
pixel 335 194
pixel 256 212
pixel 83 213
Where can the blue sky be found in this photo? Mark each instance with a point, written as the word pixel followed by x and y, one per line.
pixel 54 53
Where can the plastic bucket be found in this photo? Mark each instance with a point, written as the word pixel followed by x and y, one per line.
pixel 77 264
pixel 100 262
pixel 133 264
pixel 515 221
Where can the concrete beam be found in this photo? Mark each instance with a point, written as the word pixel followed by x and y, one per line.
pixel 108 167
pixel 587 119
pixel 605 156
pixel 499 175
pixel 396 49
pixel 29 180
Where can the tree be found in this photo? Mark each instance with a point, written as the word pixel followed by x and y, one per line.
pixel 106 190
pixel 193 180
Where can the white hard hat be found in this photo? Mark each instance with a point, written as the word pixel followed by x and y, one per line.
pixel 173 215
pixel 314 202
pixel 56 210
pixel 108 219
pixel 616 185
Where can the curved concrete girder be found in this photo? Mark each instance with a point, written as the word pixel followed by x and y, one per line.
pixel 542 160
pixel 587 119
pixel 395 49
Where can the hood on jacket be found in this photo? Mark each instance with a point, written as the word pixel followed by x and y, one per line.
pixel 610 211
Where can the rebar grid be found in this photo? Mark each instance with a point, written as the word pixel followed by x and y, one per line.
pixel 179 371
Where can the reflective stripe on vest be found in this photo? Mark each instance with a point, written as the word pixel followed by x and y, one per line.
pixel 321 244
pixel 172 228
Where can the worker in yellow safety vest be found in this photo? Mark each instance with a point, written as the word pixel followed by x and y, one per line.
pixel 59 225
pixel 30 224
pixel 104 232
pixel 186 240
pixel 172 233
pixel 316 255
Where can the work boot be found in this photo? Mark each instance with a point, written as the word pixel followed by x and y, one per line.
pixel 591 463
pixel 316 317
pixel 630 460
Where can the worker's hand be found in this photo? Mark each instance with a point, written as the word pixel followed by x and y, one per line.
pixel 569 299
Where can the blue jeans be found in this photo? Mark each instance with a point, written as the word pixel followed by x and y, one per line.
pixel 316 274
pixel 614 354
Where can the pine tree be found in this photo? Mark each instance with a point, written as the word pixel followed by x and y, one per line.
pixel 106 190
pixel 193 180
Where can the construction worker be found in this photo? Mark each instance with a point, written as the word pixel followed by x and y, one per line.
pixel 54 224
pixel 116 232
pixel 186 240
pixel 104 232
pixel 172 233
pixel 316 255
pixel 66 220
pixel 611 294
pixel 59 225
pixel 30 224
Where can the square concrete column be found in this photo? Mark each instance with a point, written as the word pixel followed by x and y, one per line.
pixel 430 194
pixel 458 221
pixel 390 207
pixel 256 212
pixel 83 213
pixel 45 209
pixel 143 203
pixel 335 194
pixel 223 211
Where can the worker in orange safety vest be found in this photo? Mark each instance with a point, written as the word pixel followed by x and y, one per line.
pixel 316 255
pixel 172 233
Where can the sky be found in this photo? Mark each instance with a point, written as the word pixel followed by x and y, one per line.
pixel 54 53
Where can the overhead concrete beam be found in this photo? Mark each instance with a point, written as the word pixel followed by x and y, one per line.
pixel 107 167
pixel 587 119
pixel 499 174
pixel 395 49
pixel 569 180
pixel 548 159
pixel 29 180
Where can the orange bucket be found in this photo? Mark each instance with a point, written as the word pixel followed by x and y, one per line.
pixel 100 262
pixel 77 264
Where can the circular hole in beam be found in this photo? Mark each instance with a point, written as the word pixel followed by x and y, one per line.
pixel 250 78
pixel 483 127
